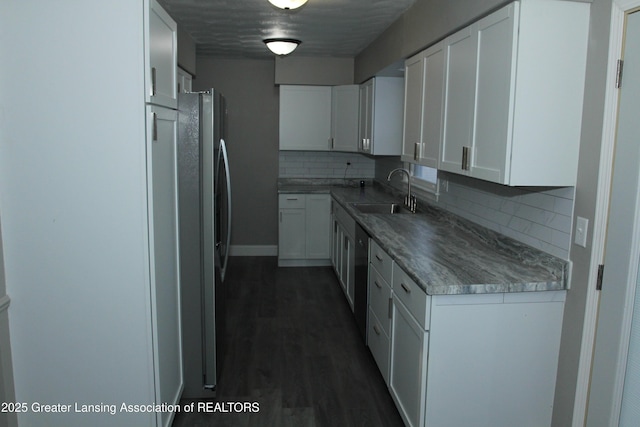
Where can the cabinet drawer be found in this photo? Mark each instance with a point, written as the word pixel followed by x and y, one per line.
pixel 416 300
pixel 380 298
pixel 378 343
pixel 291 201
pixel 380 260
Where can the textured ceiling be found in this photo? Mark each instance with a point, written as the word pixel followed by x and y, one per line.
pixel 236 28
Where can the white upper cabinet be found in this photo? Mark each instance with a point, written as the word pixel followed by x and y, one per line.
pixel 161 57
pixel 423 106
pixel 459 99
pixel 381 110
pixel 305 117
pixel 514 92
pixel 344 118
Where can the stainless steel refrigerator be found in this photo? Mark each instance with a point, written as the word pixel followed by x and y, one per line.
pixel 204 193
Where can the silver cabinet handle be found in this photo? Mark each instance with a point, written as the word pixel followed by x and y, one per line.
pixel 416 148
pixel 154 131
pixel 378 285
pixel 405 287
pixel 292 198
pixel 376 329
pixel 465 158
pixel 378 257
pixel 153 81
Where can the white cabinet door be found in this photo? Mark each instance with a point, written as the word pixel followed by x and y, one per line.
pixel 413 95
pixel 318 226
pixel 432 107
pixel 344 118
pixel 460 87
pixel 423 110
pixel 493 112
pixel 291 232
pixel 165 271
pixel 408 365
pixel 336 256
pixel 378 343
pixel 381 111
pixel 510 110
pixel 161 57
pixel 305 117
pixel 365 117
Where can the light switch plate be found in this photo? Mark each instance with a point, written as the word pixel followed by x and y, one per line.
pixel 582 225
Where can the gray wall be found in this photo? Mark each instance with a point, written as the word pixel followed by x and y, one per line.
pixel 186 52
pixel 430 20
pixel 302 70
pixel 253 108
pixel 585 206
pixel 426 22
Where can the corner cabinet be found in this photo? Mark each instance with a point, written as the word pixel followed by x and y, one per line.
pixel 304 237
pixel 305 118
pixel 424 80
pixel 380 117
pixel 513 94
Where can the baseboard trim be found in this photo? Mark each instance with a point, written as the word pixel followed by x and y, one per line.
pixel 254 250
pixel 304 262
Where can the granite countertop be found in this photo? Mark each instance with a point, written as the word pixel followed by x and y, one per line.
pixel 443 253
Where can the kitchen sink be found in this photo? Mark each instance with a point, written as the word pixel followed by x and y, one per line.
pixel 381 208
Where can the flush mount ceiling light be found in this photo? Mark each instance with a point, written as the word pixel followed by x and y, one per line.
pixel 287 4
pixel 282 47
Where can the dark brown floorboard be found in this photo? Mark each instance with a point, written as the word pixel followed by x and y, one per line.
pixel 293 347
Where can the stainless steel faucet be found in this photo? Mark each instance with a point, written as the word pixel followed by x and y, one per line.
pixel 410 200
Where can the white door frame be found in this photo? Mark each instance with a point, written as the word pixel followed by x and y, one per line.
pixel 616 37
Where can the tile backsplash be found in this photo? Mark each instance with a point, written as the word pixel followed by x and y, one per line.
pixel 321 164
pixel 537 216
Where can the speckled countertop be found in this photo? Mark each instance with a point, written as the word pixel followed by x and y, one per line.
pixel 443 253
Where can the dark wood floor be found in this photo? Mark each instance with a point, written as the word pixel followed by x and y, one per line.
pixel 293 348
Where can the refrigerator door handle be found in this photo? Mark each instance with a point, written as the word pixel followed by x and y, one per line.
pixel 222 155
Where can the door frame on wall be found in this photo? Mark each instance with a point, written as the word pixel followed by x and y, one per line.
pixel 620 8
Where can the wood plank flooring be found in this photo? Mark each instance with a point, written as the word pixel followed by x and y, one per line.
pixel 293 347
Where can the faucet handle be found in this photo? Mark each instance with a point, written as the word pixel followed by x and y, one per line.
pixel 411 203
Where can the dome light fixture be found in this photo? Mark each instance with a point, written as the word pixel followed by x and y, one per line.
pixel 281 46
pixel 287 4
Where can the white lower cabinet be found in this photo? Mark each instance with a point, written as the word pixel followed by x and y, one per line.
pixel 378 342
pixel 379 319
pixel 486 360
pixel 408 367
pixel 343 250
pixel 304 237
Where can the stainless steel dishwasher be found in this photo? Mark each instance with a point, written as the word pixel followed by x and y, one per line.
pixel 361 279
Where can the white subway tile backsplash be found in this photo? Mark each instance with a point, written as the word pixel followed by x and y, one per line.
pixel 539 217
pixel 325 164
